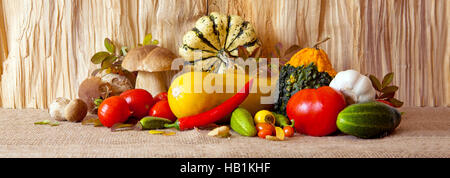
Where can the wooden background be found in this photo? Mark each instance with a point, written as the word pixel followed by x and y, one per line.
pixel 46 45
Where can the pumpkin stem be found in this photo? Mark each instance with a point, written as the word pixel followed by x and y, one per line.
pixel 320 42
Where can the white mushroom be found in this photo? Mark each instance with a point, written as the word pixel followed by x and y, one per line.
pixel 153 64
pixel 56 109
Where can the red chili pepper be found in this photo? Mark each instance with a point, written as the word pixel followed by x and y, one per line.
pixel 215 114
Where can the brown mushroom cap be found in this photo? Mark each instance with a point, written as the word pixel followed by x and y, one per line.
pixel 149 58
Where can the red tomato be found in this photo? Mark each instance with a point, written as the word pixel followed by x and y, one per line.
pixel 265 126
pixel 113 110
pixel 162 109
pixel 386 102
pixel 288 131
pixel 160 97
pixel 139 100
pixel 315 110
pixel 264 133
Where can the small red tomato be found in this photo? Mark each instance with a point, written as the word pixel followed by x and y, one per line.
pixel 162 109
pixel 113 110
pixel 288 131
pixel 265 126
pixel 139 100
pixel 264 133
pixel 160 97
pixel 386 102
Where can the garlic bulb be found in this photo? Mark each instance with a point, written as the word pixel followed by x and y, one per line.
pixel 355 87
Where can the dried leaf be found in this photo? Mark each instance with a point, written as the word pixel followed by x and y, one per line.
pixel 272 138
pixel 278 47
pixel 91 120
pixel 386 95
pixel 44 122
pixel 292 50
pixel 124 51
pixel 96 71
pixel 99 57
pixel 147 39
pixel 395 102
pixel 242 52
pixel 97 123
pixel 121 127
pixel 168 133
pixel 256 53
pixel 387 79
pixel 109 45
pixel 156 132
pixel 108 62
pixel 390 89
pixel 375 83
pixel 54 123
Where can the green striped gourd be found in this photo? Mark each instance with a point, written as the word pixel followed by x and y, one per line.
pixel 217 37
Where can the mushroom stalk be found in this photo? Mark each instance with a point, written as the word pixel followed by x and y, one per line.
pixel 153 82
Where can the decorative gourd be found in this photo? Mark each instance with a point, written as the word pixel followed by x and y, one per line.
pixel 314 55
pixel 217 37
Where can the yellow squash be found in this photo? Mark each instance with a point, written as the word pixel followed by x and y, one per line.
pixel 196 92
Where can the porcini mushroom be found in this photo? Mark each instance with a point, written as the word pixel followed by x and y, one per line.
pixel 56 109
pixel 153 64
pixel 75 111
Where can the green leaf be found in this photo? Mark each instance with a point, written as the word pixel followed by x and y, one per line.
pixel 99 57
pixel 396 102
pixel 108 62
pixel 155 42
pixel 147 39
pixel 387 79
pixel 110 46
pixel 375 83
pixel 389 89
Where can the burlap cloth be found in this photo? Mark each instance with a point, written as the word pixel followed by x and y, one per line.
pixel 423 132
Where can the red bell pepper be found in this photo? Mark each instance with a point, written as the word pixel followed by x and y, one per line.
pixel 215 114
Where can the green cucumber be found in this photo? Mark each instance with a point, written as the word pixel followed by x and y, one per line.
pixel 242 122
pixel 368 120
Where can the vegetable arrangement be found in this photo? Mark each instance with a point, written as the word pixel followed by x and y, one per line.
pixel 313 98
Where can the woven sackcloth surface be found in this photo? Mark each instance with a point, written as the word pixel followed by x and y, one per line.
pixel 423 132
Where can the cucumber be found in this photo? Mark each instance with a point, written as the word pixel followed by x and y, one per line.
pixel 242 122
pixel 368 120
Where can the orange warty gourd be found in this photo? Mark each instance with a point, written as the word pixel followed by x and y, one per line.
pixel 314 55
